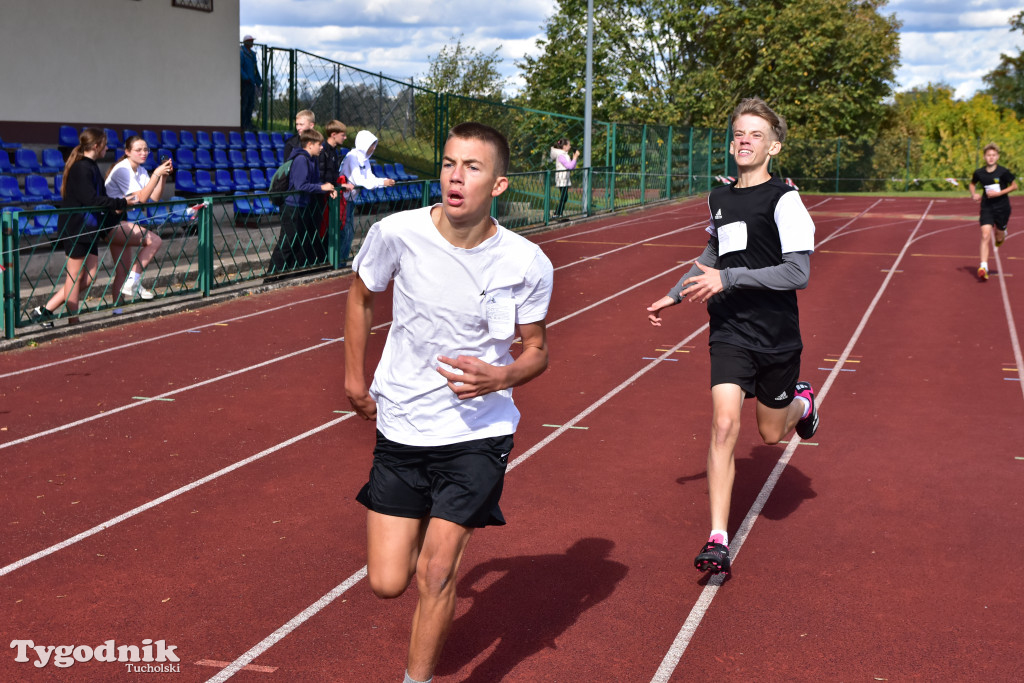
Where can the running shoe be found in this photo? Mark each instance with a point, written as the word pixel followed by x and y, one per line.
pixel 42 316
pixel 130 283
pixel 713 558
pixel 982 274
pixel 1000 237
pixel 142 292
pixel 806 426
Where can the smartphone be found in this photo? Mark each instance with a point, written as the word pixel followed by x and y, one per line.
pixel 164 158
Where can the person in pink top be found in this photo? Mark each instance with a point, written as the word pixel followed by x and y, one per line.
pixel 563 164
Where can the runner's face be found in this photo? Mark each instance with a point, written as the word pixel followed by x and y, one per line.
pixel 991 157
pixel 469 179
pixel 752 142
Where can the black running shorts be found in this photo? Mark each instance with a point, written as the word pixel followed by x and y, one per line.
pixel 771 377
pixel 998 216
pixel 459 482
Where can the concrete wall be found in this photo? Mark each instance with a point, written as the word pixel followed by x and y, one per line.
pixel 122 63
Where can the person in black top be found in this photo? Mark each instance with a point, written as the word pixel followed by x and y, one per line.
pixel 80 232
pixel 758 255
pixel 996 182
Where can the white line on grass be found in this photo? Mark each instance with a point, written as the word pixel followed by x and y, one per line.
pixel 682 640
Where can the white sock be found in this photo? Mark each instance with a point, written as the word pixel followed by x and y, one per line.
pixel 719 536
pixel 984 264
pixel 410 679
pixel 807 406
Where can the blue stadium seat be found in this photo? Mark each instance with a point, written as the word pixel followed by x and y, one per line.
pixel 185 158
pixel 68 136
pixel 269 158
pixel 204 182
pixel 169 139
pixel 45 223
pixel 435 189
pixel 25 225
pixel 25 161
pixel 37 189
pixel 203 139
pixel 186 139
pixel 343 152
pixel 389 172
pixel 236 158
pixel 5 165
pixel 235 140
pixel 277 140
pixel 203 158
pixel 9 191
pixel 242 205
pixel 183 181
pixel 263 140
pixel 267 206
pixel 9 145
pixel 249 140
pixel 240 178
pixel 219 140
pixel 252 158
pixel 415 191
pixel 58 180
pixel 222 181
pixel 405 175
pixel 259 179
pixel 53 161
pixel 220 158
pixel 113 141
pixel 377 169
pixel 126 133
pixel 151 139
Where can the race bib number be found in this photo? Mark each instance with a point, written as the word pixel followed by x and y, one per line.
pixel 994 187
pixel 500 310
pixel 732 237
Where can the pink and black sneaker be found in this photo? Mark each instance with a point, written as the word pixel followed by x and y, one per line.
pixel 808 424
pixel 713 558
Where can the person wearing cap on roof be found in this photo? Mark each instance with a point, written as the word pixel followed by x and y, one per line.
pixel 250 81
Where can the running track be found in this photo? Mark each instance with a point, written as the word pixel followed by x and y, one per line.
pixel 191 478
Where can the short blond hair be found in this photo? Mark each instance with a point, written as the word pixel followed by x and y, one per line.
pixel 991 146
pixel 755 106
pixel 306 114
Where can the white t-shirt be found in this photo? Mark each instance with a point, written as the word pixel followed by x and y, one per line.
pixel 123 181
pixel 449 302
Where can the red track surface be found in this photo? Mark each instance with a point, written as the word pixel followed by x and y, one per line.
pixel 886 549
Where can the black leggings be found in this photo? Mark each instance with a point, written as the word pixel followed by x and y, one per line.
pixel 564 195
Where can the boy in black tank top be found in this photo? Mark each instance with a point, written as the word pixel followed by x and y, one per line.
pixel 758 255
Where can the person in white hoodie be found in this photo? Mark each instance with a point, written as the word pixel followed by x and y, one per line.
pixel 563 164
pixel 356 167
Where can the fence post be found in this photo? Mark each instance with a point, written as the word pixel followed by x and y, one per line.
pixel 205 225
pixel 711 151
pixel 547 196
pixel 668 165
pixel 839 145
pixel 293 85
pixel 907 186
pixel 426 193
pixel 689 164
pixel 334 230
pixel 614 166
pixel 7 281
pixel 643 165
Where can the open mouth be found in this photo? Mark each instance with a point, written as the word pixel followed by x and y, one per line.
pixel 455 198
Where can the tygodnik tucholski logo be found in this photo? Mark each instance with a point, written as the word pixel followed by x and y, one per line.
pixel 152 657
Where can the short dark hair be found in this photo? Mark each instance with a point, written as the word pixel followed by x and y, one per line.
pixel 311 135
pixel 479 131
pixel 759 108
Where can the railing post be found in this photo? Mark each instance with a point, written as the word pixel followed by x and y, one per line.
pixel 426 193
pixel 614 166
pixel 689 164
pixel 839 145
pixel 711 151
pixel 8 224
pixel 293 86
pixel 643 165
pixel 334 230
pixel 205 225
pixel 668 165
pixel 547 196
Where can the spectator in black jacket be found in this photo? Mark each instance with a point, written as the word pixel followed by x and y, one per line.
pixel 81 232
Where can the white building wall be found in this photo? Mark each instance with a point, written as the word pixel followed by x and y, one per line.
pixel 129 62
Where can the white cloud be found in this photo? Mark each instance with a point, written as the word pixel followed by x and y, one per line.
pixel 949 41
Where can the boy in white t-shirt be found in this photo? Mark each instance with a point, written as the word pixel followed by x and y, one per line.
pixel 442 392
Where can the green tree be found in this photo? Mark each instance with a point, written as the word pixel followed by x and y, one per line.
pixel 686 62
pixel 1006 81
pixel 463 70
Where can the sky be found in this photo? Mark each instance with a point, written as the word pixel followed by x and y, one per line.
pixel 955 42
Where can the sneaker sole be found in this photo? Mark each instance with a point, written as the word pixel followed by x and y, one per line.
pixel 982 274
pixel 710 566
pixel 805 433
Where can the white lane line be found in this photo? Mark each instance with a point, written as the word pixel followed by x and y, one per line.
pixel 233 373
pixel 168 496
pixel 268 642
pixel 1014 340
pixel 682 640
pixel 148 340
